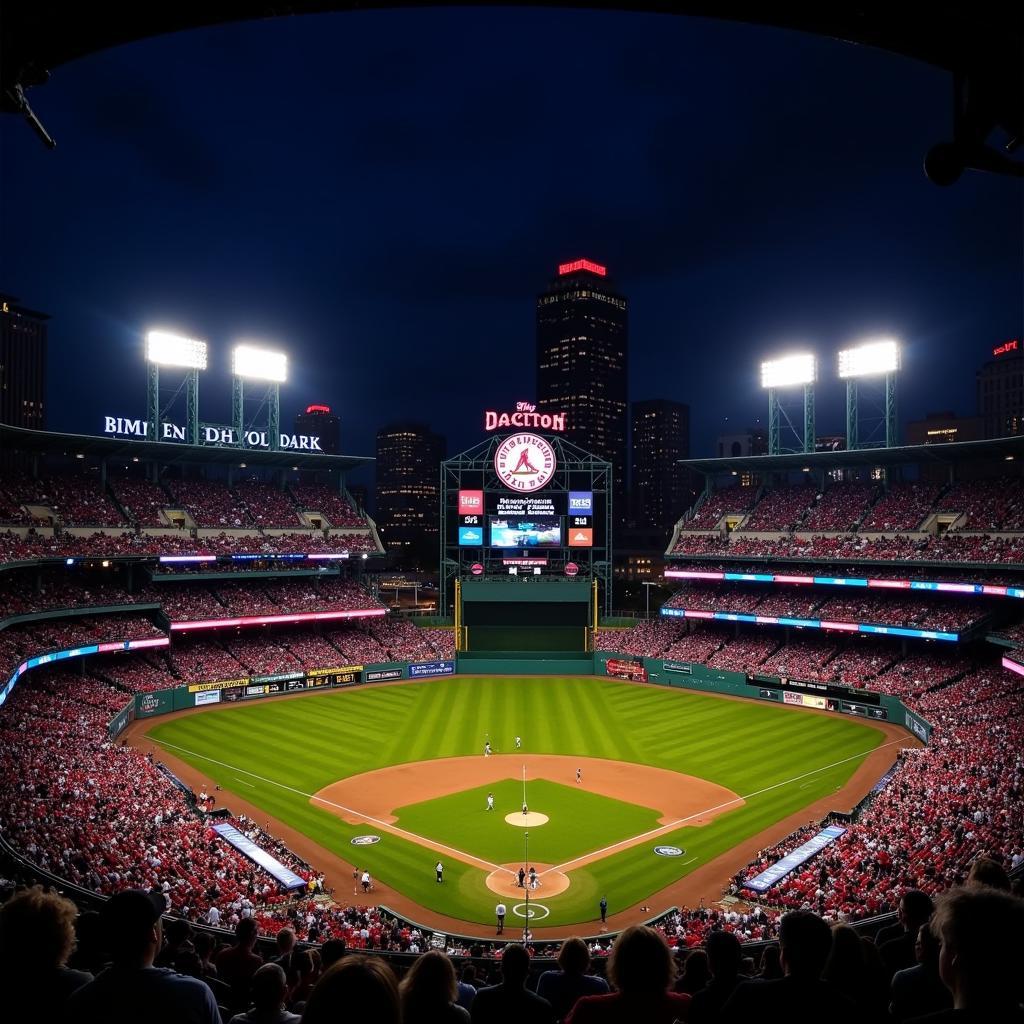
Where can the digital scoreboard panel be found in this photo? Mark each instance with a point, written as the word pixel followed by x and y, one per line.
pixel 525 522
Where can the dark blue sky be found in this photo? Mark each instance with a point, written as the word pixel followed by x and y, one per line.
pixel 383 195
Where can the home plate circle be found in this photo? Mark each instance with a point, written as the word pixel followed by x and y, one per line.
pixel 505 882
pixel 529 820
pixel 533 911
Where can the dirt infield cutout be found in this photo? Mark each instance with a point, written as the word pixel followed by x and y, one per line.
pixel 372 797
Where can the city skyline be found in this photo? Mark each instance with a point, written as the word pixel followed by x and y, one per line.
pixel 397 263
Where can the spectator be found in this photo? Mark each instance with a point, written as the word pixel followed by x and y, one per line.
pixel 898 953
pixel 640 967
pixel 851 971
pixel 302 976
pixel 285 941
pixel 771 967
pixel 696 973
pixel 805 941
pixel 268 990
pixel 177 940
pixel 238 963
pixel 356 988
pixel 132 989
pixel 331 952
pixel 467 987
pixel 563 987
pixel 981 931
pixel 724 955
pixel 37 935
pixel 429 992
pixel 511 1002
pixel 919 990
pixel 986 871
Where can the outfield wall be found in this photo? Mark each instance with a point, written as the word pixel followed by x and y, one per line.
pixel 695 676
pixel 246 688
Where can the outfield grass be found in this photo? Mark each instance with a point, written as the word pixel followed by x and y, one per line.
pixel 279 753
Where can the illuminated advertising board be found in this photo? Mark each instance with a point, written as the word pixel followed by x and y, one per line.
pixel 471 502
pixel 581 503
pixel 471 536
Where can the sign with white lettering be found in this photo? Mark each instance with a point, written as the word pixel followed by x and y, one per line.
pixel 209 434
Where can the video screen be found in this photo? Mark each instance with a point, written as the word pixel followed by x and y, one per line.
pixel 526 531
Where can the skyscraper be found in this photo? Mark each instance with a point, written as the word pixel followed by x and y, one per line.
pixel 1001 390
pixel 582 361
pixel 22 365
pixel 661 437
pixel 409 457
pixel 319 421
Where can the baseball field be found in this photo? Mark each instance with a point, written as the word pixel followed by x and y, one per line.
pixel 638 786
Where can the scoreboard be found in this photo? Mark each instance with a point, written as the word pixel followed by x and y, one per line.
pixel 526 523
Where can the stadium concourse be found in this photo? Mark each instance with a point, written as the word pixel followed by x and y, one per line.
pixel 95 816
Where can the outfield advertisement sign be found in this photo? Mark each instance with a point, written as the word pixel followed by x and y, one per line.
pixel 431 668
pixel 682 667
pixel 767 878
pixel 345 675
pixel 205 697
pixel 158 702
pixel 221 684
pixel 380 676
pixel 620 668
pixel 118 723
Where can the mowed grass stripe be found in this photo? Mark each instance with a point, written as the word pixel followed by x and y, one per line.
pixel 309 742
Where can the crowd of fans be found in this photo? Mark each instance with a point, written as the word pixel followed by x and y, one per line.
pixel 729 501
pixel 899 608
pixel 114 543
pixel 903 506
pixel 780 509
pixel 71 500
pixel 328 502
pixel 949 547
pixel 840 508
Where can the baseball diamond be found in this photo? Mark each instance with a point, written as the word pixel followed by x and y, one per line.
pixel 659 768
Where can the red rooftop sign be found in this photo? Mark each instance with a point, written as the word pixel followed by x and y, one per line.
pixel 318 408
pixel 571 268
pixel 1013 345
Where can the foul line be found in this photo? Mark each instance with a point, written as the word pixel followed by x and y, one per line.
pixel 593 855
pixel 468 857
pixel 596 854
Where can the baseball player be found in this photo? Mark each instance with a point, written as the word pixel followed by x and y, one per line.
pixel 525 811
pixel 579 776
pixel 519 743
pixel 487 748
pixel 490 801
pixel 439 868
pixel 365 880
pixel 499 912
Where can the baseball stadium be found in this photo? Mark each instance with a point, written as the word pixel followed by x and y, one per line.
pixel 243 774
pixel 201 673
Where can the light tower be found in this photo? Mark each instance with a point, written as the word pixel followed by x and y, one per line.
pixel 877 358
pixel 171 350
pixel 785 373
pixel 258 364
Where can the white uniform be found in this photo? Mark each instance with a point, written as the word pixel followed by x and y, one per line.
pixel 519 743
pixel 490 802
pixel 487 750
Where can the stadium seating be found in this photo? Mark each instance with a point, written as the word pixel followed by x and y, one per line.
pixel 731 500
pixel 328 502
pixel 902 507
pixel 142 500
pixel 840 508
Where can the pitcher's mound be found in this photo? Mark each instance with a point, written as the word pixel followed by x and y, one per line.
pixel 528 820
pixel 505 882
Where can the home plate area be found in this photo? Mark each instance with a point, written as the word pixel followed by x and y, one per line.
pixel 505 882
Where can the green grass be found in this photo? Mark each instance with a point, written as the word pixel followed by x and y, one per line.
pixel 277 754
pixel 579 822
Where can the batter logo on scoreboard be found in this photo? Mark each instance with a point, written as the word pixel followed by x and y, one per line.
pixel 524 462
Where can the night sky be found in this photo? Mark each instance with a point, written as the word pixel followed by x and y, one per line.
pixel 384 194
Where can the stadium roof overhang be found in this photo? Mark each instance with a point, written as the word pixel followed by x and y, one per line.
pixel 1004 448
pixel 45 442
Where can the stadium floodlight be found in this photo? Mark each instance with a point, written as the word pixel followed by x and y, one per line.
pixel 789 371
pixel 166 349
pixel 870 359
pixel 259 364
